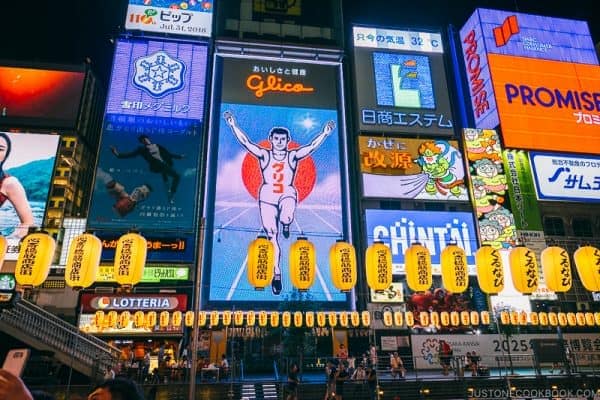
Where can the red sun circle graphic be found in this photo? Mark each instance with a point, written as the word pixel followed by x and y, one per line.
pixel 304 181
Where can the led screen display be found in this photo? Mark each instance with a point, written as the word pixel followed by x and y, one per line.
pixel 276 170
pixel 40 96
pixel 399 229
pixel 26 166
pixel 400 82
pixel 189 17
pixel 411 168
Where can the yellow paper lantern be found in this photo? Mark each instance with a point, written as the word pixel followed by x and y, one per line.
pixel 543 316
pixel 504 318
pixel 310 319
pixel 343 319
pixel 455 274
pixel 342 263
pixel 112 317
pixel 409 318
pixel 261 262
pixel 454 318
pixel 238 318
pixel 298 319
pixel 365 318
pixel 523 318
pixel 203 316
pixel 485 318
pixel 83 261
pixel 597 318
pixel 332 318
pixel 214 318
pixel 3 248
pixel 534 318
pixel 189 319
pixel 226 317
pixel 445 318
pixel 552 318
pixel 150 321
pixel 303 264
pixel 387 318
pixel 176 318
pixel 587 262
pixel 286 319
pixel 99 318
pixel 262 318
pixel 417 261
pixel 378 261
pixel 490 272
pixel 465 318
pixel 321 319
pixel 562 319
pixel 398 318
pixel 556 268
pixel 474 318
pixel 274 319
pixel 139 319
pixel 434 317
pixel 35 258
pixel 524 269
pixel 130 259
pixel 163 319
pixel 355 318
pixel 124 319
pixel 514 318
pixel 571 319
pixel 589 319
pixel 250 318
pixel 424 318
pixel 580 318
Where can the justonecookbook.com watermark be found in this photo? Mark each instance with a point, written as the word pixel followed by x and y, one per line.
pixel 497 393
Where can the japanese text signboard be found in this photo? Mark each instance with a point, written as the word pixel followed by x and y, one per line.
pixel 411 168
pixel 188 17
pixel 566 177
pixel 401 82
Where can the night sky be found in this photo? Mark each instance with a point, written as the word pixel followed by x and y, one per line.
pixel 71 31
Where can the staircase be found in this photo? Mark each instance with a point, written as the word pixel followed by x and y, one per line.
pixel 45 331
pixel 259 391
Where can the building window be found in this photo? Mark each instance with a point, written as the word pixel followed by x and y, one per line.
pixel 582 227
pixel 554 226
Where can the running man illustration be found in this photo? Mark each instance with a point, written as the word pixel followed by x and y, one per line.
pixel 277 196
pixel 159 159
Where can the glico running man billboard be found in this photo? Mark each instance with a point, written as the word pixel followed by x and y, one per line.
pixel 26 166
pixel 401 82
pixel 277 142
pixel 519 35
pixel 146 175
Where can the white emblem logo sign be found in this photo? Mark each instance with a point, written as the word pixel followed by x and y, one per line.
pixel 159 74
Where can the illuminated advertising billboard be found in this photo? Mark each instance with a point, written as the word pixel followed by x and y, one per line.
pixel 399 229
pixel 160 79
pixel 489 188
pixel 521 35
pixel 401 82
pixel 40 97
pixel 169 247
pixel 547 105
pixel 152 273
pixel 277 141
pixel 26 166
pixel 411 168
pixel 566 177
pixel 188 17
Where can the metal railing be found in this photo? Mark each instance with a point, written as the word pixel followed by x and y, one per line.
pixel 45 331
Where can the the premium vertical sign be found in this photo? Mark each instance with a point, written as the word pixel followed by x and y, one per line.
pixel 515 34
pixel 276 171
pixel 187 17
pixel 434 230
pixel 401 82
pixel 490 188
pixel 26 165
pixel 148 159
pixel 411 168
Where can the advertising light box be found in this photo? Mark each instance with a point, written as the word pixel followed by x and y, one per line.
pixel 152 78
pixel 411 168
pixel 37 97
pixel 566 177
pixel 401 82
pixel 547 105
pixel 26 166
pixel 520 35
pixel 188 17
pixel 277 142
pixel 152 273
pixel 399 229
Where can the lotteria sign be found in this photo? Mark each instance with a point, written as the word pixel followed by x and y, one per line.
pixel 547 105
pixel 515 34
pixel 399 229
pixel 92 302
